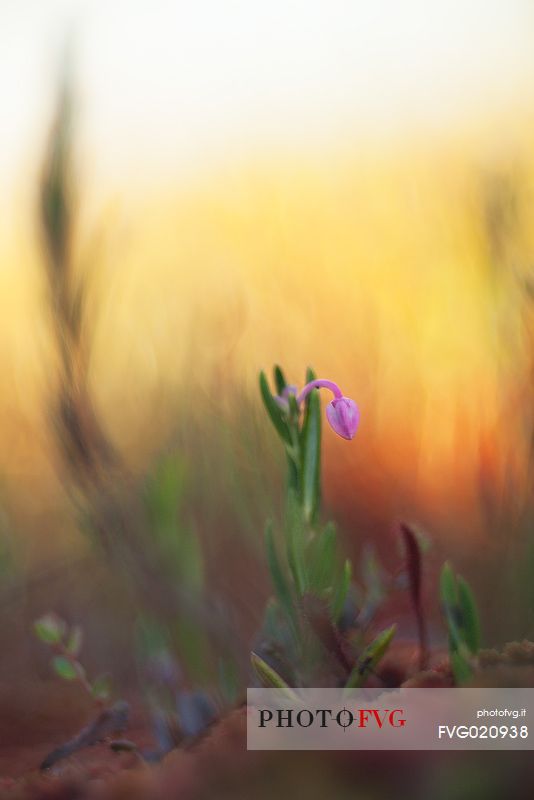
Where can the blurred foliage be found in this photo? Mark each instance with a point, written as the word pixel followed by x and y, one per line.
pixel 143 525
pixel 65 642
pixel 174 539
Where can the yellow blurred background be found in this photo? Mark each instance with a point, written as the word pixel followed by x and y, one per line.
pixel 339 184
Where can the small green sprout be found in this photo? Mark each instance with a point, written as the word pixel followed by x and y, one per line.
pixel 269 678
pixel 462 620
pixel 370 658
pixel 66 643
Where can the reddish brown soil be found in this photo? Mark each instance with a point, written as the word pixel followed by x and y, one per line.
pixel 96 773
pixel 37 717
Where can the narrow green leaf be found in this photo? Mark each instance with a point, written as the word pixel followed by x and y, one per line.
pixel 74 641
pixel 311 457
pixel 341 590
pixel 273 409
pixel 453 620
pixel 279 379
pixel 294 531
pixel 462 621
pixel 49 628
pixel 461 668
pixel 449 601
pixel 280 584
pixel 378 647
pixel 65 668
pixel 469 616
pixel 268 677
pixel 449 594
pixel 323 567
pixel 292 475
pixel 294 413
pixel 370 658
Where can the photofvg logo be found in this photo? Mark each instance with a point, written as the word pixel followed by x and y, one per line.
pixel 389 719
pixel 325 717
pixel 321 719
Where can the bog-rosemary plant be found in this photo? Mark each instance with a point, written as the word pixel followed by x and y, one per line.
pixel 309 623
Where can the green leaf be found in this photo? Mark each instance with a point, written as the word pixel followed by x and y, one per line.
pixel 323 567
pixel 341 590
pixel 449 594
pixel 460 611
pixel 50 628
pixel 268 677
pixel 279 379
pixel 74 641
pixel 461 668
pixel 101 687
pixel 462 622
pixel 378 647
pixel 370 658
pixel 280 584
pixel 65 668
pixel 294 413
pixel 469 616
pixel 273 409
pixel 292 474
pixel 311 457
pixel 294 531
pixel 449 601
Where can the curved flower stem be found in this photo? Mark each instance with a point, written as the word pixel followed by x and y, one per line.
pixel 319 384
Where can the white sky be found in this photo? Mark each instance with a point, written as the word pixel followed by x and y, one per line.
pixel 172 83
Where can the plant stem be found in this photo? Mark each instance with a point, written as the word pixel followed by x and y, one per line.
pixel 320 384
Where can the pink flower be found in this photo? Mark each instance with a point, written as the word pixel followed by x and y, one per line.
pixel 342 412
pixel 343 415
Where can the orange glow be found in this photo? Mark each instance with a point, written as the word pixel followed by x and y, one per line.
pixel 375 268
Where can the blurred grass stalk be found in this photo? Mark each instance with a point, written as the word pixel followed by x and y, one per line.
pixel 85 449
pixel 153 553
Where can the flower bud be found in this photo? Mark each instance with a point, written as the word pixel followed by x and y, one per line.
pixel 343 415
